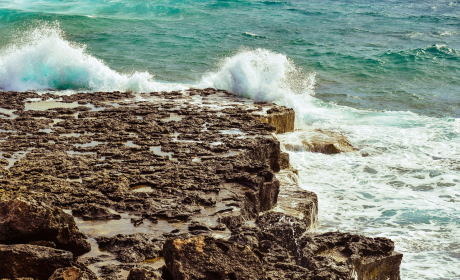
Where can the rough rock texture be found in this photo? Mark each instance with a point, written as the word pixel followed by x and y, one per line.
pixel 365 257
pixel 38 262
pixel 295 201
pixel 143 274
pixel 132 247
pixel 281 118
pixel 204 257
pixel 193 165
pixel 321 141
pixel 94 212
pixel 72 273
pixel 288 252
pixel 26 220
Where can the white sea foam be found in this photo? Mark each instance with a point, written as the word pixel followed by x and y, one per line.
pixel 406 187
pixel 42 59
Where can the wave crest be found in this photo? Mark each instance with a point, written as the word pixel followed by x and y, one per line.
pixel 42 59
pixel 261 75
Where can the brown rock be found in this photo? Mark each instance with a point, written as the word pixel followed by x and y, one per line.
pixel 281 118
pixel 72 273
pixel 143 274
pixel 38 262
pixel 25 220
pixel 204 257
pixel 321 141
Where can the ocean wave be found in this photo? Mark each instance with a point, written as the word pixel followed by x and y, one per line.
pixel 431 52
pixel 262 75
pixel 41 59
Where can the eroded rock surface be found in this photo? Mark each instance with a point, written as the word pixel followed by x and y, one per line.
pixel 26 220
pixel 319 141
pixel 196 166
pixel 204 257
pixel 37 262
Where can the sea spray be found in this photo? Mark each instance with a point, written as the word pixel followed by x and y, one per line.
pixel 401 183
pixel 42 59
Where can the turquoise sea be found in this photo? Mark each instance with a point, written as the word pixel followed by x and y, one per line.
pixel 384 73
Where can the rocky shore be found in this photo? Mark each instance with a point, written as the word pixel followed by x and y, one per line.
pixel 169 185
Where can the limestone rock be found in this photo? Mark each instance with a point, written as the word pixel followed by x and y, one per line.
pixel 203 257
pixel 281 118
pixel 143 274
pixel 93 211
pixel 25 220
pixel 21 260
pixel 73 273
pixel 295 201
pixel 132 247
pixel 350 255
pixel 319 141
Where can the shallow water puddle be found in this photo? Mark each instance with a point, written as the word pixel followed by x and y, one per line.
pixel 49 104
pixel 157 151
pixel 173 117
pixel 142 188
pixel 235 131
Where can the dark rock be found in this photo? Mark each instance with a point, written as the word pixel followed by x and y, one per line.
pixel 73 273
pixel 38 262
pixel 143 274
pixel 204 257
pixel 93 211
pixel 25 220
pixel 284 229
pixel 43 243
pixel 350 255
pixel 132 247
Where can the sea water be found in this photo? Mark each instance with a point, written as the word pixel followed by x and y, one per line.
pixel 384 73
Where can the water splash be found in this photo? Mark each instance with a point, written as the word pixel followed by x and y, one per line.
pixel 41 59
pixel 262 75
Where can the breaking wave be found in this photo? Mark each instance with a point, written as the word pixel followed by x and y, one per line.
pixel 43 60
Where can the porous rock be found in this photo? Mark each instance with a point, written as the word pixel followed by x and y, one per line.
pixel 281 118
pixel 38 262
pixel 73 273
pixel 204 257
pixel 320 141
pixel 26 220
pixel 93 211
pixel 132 247
pixel 143 274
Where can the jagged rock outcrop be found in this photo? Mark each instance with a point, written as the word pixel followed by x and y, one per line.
pixel 352 255
pixel 25 220
pixel 143 274
pixel 281 118
pixel 204 257
pixel 132 247
pixel 295 201
pixel 93 211
pixel 319 141
pixel 73 273
pixel 37 262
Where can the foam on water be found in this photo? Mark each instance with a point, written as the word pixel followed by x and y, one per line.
pixel 42 59
pixel 402 184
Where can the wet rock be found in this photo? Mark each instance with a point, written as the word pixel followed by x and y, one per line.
pixel 94 212
pixel 320 141
pixel 281 118
pixel 38 262
pixel 132 247
pixel 348 255
pixel 295 201
pixel 204 257
pixel 143 274
pixel 73 273
pixel 284 229
pixel 25 220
